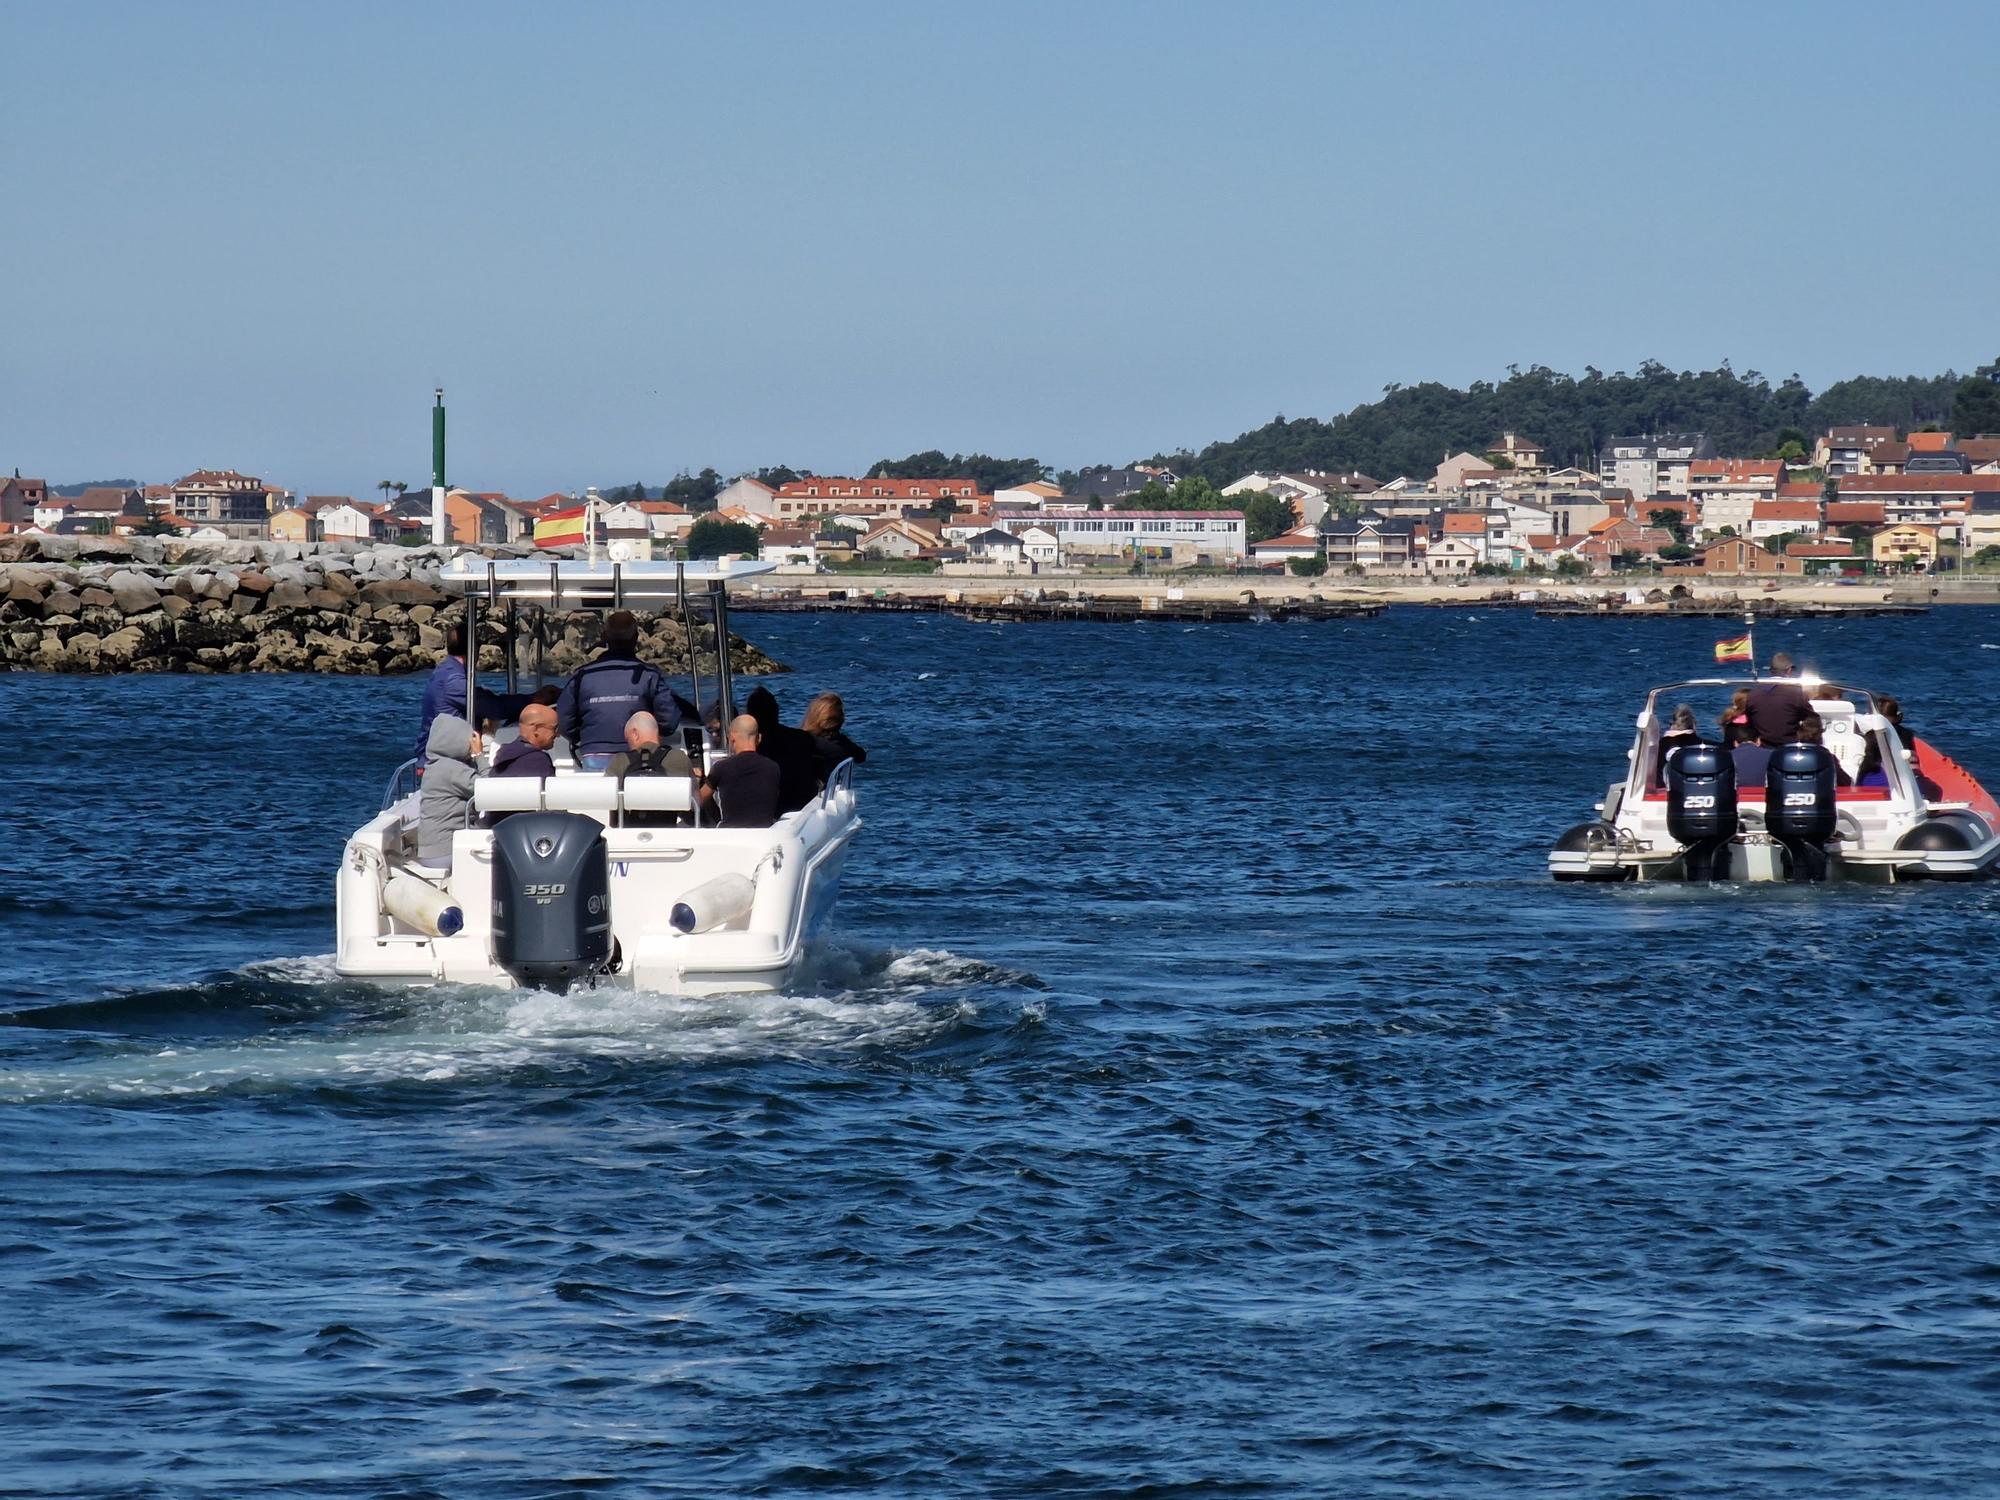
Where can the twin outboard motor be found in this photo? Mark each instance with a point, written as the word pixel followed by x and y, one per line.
pixel 1701 807
pixel 551 898
pixel 1799 809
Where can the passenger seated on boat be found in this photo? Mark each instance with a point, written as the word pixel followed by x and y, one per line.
pixel 528 753
pixel 603 693
pixel 1679 733
pixel 444 804
pixel 644 755
pixel 743 783
pixel 825 721
pixel 505 734
pixel 1872 772
pixel 1735 722
pixel 792 749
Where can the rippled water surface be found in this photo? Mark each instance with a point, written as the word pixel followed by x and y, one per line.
pixel 1204 1092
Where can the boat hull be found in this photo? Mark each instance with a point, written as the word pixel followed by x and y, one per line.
pixel 795 868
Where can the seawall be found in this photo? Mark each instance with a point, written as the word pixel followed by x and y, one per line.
pixel 101 604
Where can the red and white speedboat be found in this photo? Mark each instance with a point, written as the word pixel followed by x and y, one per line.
pixel 1913 813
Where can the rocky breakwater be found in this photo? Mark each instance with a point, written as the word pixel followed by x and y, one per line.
pixel 90 604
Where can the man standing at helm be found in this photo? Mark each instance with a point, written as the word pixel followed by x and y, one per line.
pixel 603 694
pixel 1775 708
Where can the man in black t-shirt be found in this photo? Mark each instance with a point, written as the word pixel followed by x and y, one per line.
pixel 743 782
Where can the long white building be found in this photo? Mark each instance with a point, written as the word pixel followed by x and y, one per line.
pixel 1180 535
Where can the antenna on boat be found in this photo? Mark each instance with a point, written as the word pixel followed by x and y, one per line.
pixel 439 536
pixel 1750 635
pixel 590 522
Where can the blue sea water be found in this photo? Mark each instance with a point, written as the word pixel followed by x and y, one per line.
pixel 1204 1092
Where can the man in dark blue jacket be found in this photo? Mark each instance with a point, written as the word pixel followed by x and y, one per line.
pixel 602 694
pixel 444 692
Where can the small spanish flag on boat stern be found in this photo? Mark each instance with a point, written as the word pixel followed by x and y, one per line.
pixel 561 528
pixel 1736 648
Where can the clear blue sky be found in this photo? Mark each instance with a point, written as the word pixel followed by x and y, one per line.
pixel 630 239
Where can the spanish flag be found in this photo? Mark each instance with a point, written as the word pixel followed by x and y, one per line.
pixel 1737 649
pixel 560 528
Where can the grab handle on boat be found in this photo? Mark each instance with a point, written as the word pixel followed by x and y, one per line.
pixel 396 791
pixel 841 778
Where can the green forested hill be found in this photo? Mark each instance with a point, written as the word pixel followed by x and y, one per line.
pixel 1413 427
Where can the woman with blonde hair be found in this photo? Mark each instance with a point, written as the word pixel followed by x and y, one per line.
pixel 825 721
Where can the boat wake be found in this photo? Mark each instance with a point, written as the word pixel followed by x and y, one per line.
pixel 295 1024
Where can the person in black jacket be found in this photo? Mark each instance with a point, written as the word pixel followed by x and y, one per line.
pixel 1680 733
pixel 602 695
pixel 792 749
pixel 1775 708
pixel 825 721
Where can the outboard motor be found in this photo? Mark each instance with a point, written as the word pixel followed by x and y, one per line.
pixel 1701 807
pixel 1799 810
pixel 551 898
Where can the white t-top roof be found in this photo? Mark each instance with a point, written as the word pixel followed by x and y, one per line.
pixel 576 580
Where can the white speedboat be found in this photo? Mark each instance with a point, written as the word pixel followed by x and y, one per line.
pixel 1911 812
pixel 583 877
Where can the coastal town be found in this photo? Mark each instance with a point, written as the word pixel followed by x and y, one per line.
pixel 1867 499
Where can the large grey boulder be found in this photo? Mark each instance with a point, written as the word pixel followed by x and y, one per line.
pixel 135 595
pixel 403 591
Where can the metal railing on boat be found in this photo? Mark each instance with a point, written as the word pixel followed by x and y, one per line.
pixel 402 781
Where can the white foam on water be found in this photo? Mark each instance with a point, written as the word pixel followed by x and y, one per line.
pixel 451 1033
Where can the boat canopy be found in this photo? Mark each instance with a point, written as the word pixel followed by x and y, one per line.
pixel 577 583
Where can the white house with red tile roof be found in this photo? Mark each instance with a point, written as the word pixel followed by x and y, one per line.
pixel 792 548
pixel 898 538
pixel 644 520
pixel 1301 543
pixel 1454 553
pixel 1727 489
pixel 352 521
pixel 1771 518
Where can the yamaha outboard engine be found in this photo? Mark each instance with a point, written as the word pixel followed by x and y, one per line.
pixel 551 898
pixel 1701 807
pixel 1799 810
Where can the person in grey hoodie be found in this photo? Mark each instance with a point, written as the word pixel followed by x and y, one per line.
pixel 445 804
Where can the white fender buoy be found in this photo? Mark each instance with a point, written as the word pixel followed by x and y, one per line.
pixel 712 903
pixel 419 904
